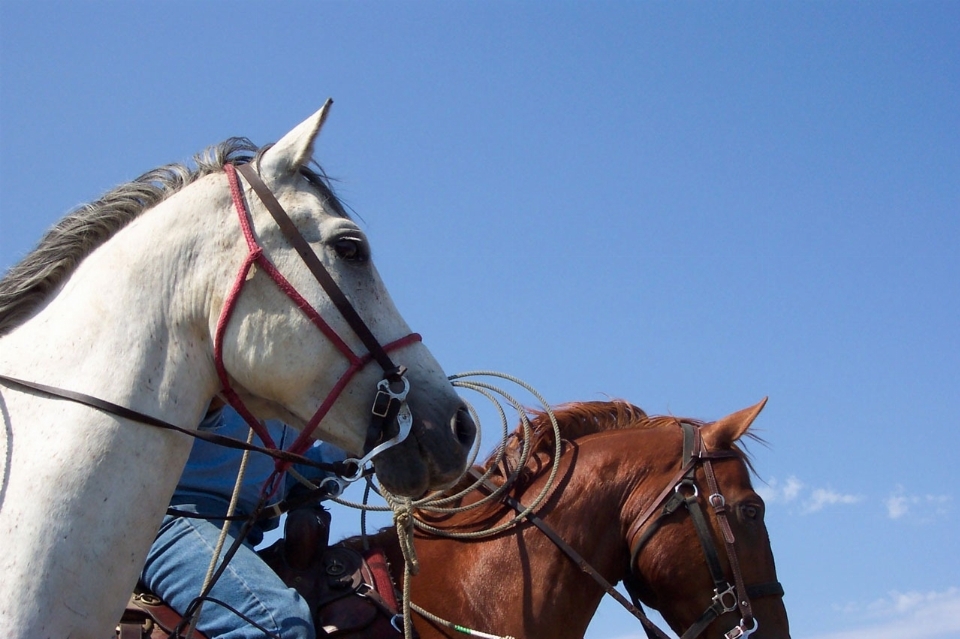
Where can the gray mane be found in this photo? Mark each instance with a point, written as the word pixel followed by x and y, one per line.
pixel 27 284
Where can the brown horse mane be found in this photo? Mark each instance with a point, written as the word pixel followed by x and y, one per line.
pixel 574 421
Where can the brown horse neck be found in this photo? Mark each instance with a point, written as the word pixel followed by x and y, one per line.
pixel 518 582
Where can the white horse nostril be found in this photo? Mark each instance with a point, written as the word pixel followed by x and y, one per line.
pixel 464 428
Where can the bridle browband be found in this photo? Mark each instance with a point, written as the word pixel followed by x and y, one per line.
pixel 725 597
pixel 683 491
pixel 391 419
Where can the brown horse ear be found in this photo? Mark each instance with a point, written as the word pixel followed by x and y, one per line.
pixel 723 432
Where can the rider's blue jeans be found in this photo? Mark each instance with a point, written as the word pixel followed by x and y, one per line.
pixel 175 571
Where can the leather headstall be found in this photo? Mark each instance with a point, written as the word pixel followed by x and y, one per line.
pixel 683 491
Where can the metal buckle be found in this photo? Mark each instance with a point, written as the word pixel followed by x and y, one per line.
pixel 356 475
pixel 334 485
pixel 381 408
pixel 687 484
pixel 739 632
pixel 386 395
pixel 730 594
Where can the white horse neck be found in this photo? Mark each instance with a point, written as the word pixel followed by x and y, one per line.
pixel 135 309
pixel 131 326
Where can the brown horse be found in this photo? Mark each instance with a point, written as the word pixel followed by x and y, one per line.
pixel 664 504
pixel 612 502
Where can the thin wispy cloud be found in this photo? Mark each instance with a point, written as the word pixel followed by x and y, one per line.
pixel 900 504
pixel 918 615
pixel 773 492
pixel 822 497
pixel 794 490
pixel 921 508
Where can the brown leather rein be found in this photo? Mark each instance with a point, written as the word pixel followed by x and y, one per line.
pixel 682 487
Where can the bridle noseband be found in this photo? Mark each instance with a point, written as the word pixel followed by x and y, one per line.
pixel 684 491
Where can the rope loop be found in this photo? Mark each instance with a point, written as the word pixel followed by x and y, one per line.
pixel 405 510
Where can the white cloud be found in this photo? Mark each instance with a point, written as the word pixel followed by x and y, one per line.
pixel 826 497
pixel 792 489
pixel 917 615
pixel 773 492
pixel 921 508
pixel 899 504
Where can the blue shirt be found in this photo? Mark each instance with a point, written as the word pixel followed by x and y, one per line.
pixel 208 478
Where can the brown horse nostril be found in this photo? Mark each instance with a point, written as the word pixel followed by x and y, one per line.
pixel 464 427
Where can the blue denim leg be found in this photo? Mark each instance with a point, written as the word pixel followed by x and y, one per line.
pixel 176 567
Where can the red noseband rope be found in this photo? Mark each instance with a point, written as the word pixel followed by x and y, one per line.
pixel 255 257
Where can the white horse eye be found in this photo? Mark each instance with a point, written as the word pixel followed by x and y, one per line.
pixel 351 249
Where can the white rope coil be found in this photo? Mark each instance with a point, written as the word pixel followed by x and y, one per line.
pixel 405 510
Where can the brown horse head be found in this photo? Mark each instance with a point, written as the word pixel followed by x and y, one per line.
pixel 671 561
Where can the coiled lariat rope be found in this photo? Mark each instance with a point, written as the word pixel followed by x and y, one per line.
pixel 405 509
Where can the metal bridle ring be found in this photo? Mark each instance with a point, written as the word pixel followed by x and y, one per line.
pixel 696 491
pixel 355 476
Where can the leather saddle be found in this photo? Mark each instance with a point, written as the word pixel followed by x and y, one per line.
pixel 351 593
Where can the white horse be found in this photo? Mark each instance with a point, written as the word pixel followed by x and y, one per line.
pixel 123 301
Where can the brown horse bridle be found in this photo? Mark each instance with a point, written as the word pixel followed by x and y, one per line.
pixel 682 490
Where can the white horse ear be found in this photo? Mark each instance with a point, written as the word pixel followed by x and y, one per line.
pixel 295 148
pixel 723 432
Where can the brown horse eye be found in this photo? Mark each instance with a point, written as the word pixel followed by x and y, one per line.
pixel 750 511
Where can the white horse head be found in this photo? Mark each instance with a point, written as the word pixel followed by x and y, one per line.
pixel 150 299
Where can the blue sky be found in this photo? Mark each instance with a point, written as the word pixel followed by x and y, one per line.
pixel 687 205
